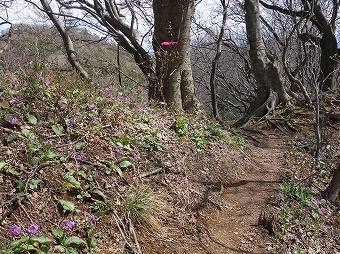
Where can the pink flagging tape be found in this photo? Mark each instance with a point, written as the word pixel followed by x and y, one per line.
pixel 169 43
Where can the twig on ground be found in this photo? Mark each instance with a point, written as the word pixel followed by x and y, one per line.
pixel 24 210
pixel 153 172
pixel 134 236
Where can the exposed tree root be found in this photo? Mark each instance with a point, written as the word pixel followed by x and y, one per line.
pixel 260 108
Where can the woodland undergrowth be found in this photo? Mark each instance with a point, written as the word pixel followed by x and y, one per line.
pixel 73 158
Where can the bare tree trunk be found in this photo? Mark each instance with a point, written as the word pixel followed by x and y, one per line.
pixel 215 62
pixel 333 188
pixel 329 50
pixel 171 43
pixel 71 53
pixel 270 88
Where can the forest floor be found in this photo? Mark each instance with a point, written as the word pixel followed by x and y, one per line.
pixel 84 169
pixel 238 192
pixel 243 191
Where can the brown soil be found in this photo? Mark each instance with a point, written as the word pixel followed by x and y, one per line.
pixel 236 188
pixel 235 229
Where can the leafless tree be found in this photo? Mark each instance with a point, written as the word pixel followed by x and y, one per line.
pixel 120 21
pixel 270 86
pixel 322 15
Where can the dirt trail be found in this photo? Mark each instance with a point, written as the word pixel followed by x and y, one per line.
pixel 234 228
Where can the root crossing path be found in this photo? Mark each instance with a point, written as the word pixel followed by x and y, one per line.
pixel 234 227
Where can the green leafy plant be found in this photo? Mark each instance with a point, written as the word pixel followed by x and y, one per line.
pixel 180 126
pixel 68 244
pixel 199 138
pixel 66 206
pixel 33 244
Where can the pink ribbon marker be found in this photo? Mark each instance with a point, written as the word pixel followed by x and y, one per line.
pixel 169 43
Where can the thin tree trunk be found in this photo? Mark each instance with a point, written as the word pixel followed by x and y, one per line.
pixel 71 53
pixel 215 62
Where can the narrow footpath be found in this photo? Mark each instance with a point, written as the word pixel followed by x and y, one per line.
pixel 234 228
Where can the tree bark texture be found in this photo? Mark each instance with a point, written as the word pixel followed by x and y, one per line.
pixel 270 88
pixel 333 188
pixel 329 50
pixel 171 43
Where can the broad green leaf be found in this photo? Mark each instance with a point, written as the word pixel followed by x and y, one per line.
pixel 93 243
pixel 71 251
pixel 25 132
pixel 80 145
pixel 2 164
pixel 99 193
pixel 58 234
pixel 49 155
pixel 35 161
pixel 40 240
pixel 20 186
pixel 75 240
pixel 9 138
pixel 59 248
pixel 32 249
pixel 44 250
pixel 16 243
pixel 67 206
pixel 63 100
pixel 33 184
pixel 58 129
pixel 82 174
pixel 12 171
pixel 70 181
pixel 117 170
pixel 125 164
pixel 20 250
pixel 32 119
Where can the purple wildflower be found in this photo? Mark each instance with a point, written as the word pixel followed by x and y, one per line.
pixel 12 121
pixel 57 94
pixel 81 157
pixel 33 229
pixel 18 98
pixel 114 157
pixel 7 72
pixel 119 148
pixel 306 208
pixel 94 220
pixel 322 210
pixel 70 223
pixel 279 196
pixel 15 230
pixel 135 158
pixel 46 82
pixel 92 107
pixel 46 143
pixel 71 122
